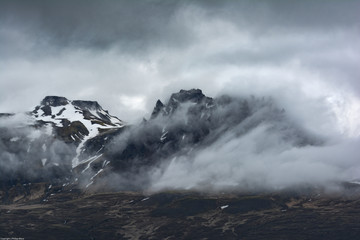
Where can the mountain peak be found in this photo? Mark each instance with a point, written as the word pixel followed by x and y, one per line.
pixel 157 109
pixel 61 111
pixel 176 99
pixel 191 91
pixel 54 101
pixel 194 95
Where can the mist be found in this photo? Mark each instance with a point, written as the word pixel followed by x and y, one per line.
pixel 243 144
pixel 302 55
pixel 29 153
pixel 261 161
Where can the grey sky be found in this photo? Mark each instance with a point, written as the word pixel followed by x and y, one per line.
pixel 126 54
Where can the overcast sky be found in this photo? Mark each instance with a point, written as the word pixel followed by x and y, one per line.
pixel 127 54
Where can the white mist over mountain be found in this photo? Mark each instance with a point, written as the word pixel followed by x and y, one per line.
pixel 127 54
pixel 261 160
pixel 322 106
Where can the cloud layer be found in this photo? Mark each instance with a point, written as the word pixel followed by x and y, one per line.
pixel 126 54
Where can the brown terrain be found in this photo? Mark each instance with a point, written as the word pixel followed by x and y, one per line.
pixel 37 212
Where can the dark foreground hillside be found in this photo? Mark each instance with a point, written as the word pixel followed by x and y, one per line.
pixel 181 215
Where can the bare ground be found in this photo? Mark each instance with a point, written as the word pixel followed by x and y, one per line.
pixel 181 215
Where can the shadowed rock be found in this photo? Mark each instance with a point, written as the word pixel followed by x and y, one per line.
pixel 54 101
pixel 88 105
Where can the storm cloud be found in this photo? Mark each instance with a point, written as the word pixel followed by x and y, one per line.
pixel 126 54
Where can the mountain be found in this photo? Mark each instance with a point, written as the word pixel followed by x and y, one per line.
pixel 188 122
pixel 78 142
pixel 62 166
pixel 76 121
pixel 48 143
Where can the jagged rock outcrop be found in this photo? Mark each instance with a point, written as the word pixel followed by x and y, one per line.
pixel 190 120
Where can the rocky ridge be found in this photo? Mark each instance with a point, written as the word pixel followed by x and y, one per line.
pixel 81 143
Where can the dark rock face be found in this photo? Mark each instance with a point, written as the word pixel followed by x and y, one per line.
pixel 190 120
pixel 72 131
pixel 100 143
pixel 157 109
pixel 183 122
pixel 4 115
pixel 194 96
pixel 54 101
pixel 47 110
pixel 88 105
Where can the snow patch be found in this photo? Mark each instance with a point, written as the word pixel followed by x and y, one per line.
pixel 92 178
pixel 89 184
pixel 74 113
pixel 43 161
pixel 90 160
pixel 164 136
pixel 355 182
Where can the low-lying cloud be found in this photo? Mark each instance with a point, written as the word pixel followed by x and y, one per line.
pixel 258 161
pixel 31 154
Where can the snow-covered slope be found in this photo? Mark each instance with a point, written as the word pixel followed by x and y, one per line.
pixel 76 121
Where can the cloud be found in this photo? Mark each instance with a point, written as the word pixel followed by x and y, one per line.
pixel 260 161
pixel 264 152
pixel 31 154
pixel 146 49
pixel 127 54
